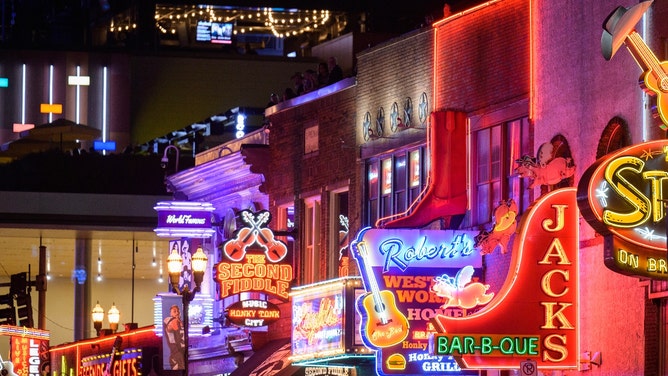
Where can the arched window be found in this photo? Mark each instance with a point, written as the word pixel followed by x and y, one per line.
pixel 615 136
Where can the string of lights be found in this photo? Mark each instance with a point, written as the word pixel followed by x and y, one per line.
pixel 279 22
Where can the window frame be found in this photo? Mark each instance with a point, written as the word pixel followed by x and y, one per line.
pixel 311 240
pixel 516 140
pixel 380 204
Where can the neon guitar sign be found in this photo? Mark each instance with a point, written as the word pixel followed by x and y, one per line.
pixel 235 249
pixel 253 260
pixel 619 28
pixel 401 270
pixel 384 325
pixel 112 357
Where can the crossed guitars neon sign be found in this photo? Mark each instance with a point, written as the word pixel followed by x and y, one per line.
pixel 235 249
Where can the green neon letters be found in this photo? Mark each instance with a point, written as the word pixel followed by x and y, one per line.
pixel 486 345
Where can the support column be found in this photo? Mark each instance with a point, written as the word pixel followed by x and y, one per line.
pixel 41 289
pixel 82 249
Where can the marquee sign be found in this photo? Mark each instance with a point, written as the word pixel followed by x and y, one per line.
pixel 254 260
pixel 410 276
pixel 29 349
pixel 621 197
pixel 318 321
pixel 324 326
pixel 178 219
pixel 535 314
pixel 128 363
pixel 253 312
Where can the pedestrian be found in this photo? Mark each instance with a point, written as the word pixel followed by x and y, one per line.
pixel 323 74
pixel 335 71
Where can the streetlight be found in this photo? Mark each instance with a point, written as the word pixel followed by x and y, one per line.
pixel 175 266
pixel 164 161
pixel 114 316
pixel 98 316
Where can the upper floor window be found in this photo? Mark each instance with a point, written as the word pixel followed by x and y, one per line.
pixel 495 149
pixel 392 183
pixel 311 257
pixel 339 236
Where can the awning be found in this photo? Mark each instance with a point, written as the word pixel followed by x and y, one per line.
pixel 61 134
pixel 270 360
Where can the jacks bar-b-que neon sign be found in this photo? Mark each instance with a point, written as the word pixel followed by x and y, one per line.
pixel 621 197
pixel 535 314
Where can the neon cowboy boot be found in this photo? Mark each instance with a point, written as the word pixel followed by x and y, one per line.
pixel 445 194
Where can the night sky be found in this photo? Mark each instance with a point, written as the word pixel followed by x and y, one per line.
pixel 61 23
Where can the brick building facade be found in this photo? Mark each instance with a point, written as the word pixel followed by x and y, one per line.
pixel 537 75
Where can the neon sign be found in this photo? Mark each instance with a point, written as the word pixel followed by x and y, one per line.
pixel 485 345
pixel 29 349
pixel 178 219
pixel 621 197
pixel 255 234
pixel 410 276
pixel 254 260
pixel 28 354
pixel 253 312
pixel 535 314
pixel 253 275
pixel 128 364
pixel 619 28
pixel 318 321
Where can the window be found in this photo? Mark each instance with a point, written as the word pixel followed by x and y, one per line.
pixel 400 182
pixel 372 193
pixel 493 161
pixel 285 222
pixel 311 139
pixel 415 175
pixel 311 260
pixel 393 182
pixel 339 237
pixel 386 187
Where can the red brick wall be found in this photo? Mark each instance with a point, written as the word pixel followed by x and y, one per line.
pixel 483 57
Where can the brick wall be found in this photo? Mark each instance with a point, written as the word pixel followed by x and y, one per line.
pixel 483 57
pixel 294 175
pixel 394 72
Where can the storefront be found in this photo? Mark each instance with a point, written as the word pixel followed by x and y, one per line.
pixel 132 352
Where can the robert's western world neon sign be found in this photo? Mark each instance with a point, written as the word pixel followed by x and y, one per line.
pixel 255 260
pixel 535 314
pixel 621 197
pixel 410 276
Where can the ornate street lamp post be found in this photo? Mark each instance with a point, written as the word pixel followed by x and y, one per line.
pixel 98 316
pixel 175 266
pixel 114 316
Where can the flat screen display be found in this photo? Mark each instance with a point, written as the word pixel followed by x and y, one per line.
pixel 214 32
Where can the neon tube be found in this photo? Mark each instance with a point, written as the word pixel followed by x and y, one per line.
pixel 50 91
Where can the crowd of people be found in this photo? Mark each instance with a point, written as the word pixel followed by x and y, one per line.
pixel 310 80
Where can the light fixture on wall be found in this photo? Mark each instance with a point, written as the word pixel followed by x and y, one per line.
pixel 165 159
